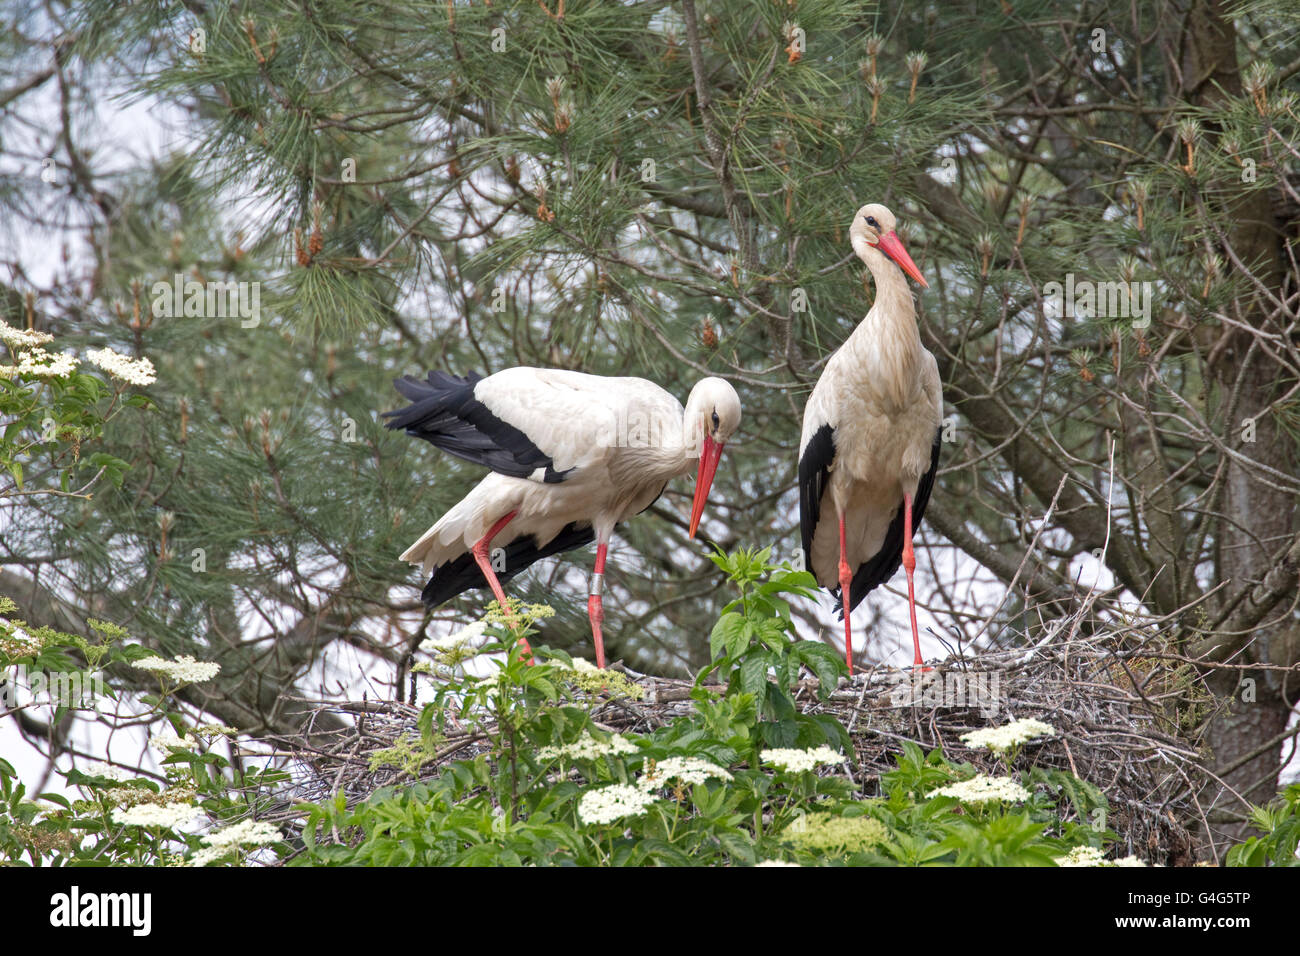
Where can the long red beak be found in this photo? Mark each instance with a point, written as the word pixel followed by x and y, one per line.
pixel 709 458
pixel 891 246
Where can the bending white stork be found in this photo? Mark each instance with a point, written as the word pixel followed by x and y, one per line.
pixel 870 445
pixel 572 455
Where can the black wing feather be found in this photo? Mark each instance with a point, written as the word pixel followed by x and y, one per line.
pixel 882 566
pixel 463 573
pixel 814 472
pixel 444 412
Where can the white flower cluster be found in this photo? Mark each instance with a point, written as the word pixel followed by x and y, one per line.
pixel 1082 856
pixel 110 772
pixel 244 833
pixel 984 789
pixel 800 761
pixel 215 730
pixel 166 743
pixel 1010 736
pixel 776 863
pixel 588 747
pixel 613 803
pixel 1091 856
pixel 46 364
pixel 184 669
pixel 689 770
pixel 17 642
pixel 22 338
pixel 168 815
pixel 134 371
pixel 471 634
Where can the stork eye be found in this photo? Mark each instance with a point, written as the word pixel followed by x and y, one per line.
pixel 871 221
pixel 715 421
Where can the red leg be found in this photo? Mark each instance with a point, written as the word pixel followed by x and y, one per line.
pixel 595 609
pixel 480 552
pixel 909 565
pixel 846 588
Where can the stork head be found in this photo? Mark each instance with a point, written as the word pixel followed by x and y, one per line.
pixel 712 416
pixel 876 243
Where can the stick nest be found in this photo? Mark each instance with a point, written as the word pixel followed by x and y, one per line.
pixel 1123 713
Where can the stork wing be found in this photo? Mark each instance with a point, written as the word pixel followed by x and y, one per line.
pixel 881 567
pixel 814 472
pixel 540 424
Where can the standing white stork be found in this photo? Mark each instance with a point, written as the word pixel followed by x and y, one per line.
pixel 870 444
pixel 572 455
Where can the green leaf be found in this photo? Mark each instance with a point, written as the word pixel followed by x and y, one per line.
pixel 724 633
pixel 753 673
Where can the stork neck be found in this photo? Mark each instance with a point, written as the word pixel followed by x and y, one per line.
pixel 692 436
pixel 892 317
pixel 886 345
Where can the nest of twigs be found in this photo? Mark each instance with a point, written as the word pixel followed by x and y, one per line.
pixel 1122 713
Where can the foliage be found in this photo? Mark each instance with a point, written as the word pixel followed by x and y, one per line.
pixel 54 418
pixel 534 793
pixel 66 673
pixel 548 786
pixel 756 647
pixel 1279 823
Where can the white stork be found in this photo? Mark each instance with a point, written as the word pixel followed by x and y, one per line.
pixel 870 444
pixel 572 455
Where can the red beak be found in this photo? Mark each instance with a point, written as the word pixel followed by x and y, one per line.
pixel 890 246
pixel 709 458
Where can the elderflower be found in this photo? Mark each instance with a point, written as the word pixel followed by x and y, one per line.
pixel 613 803
pixel 135 371
pixel 46 364
pixel 839 835
pixel 109 772
pixel 471 634
pixel 588 747
pixel 215 730
pixel 244 833
pixel 166 743
pixel 688 770
pixel 776 863
pixel 169 815
pixel 1091 856
pixel 17 642
pixel 1009 736
pixel 1082 856
pixel 184 669
pixel 984 789
pixel 586 677
pixel 799 761
pixel 22 338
